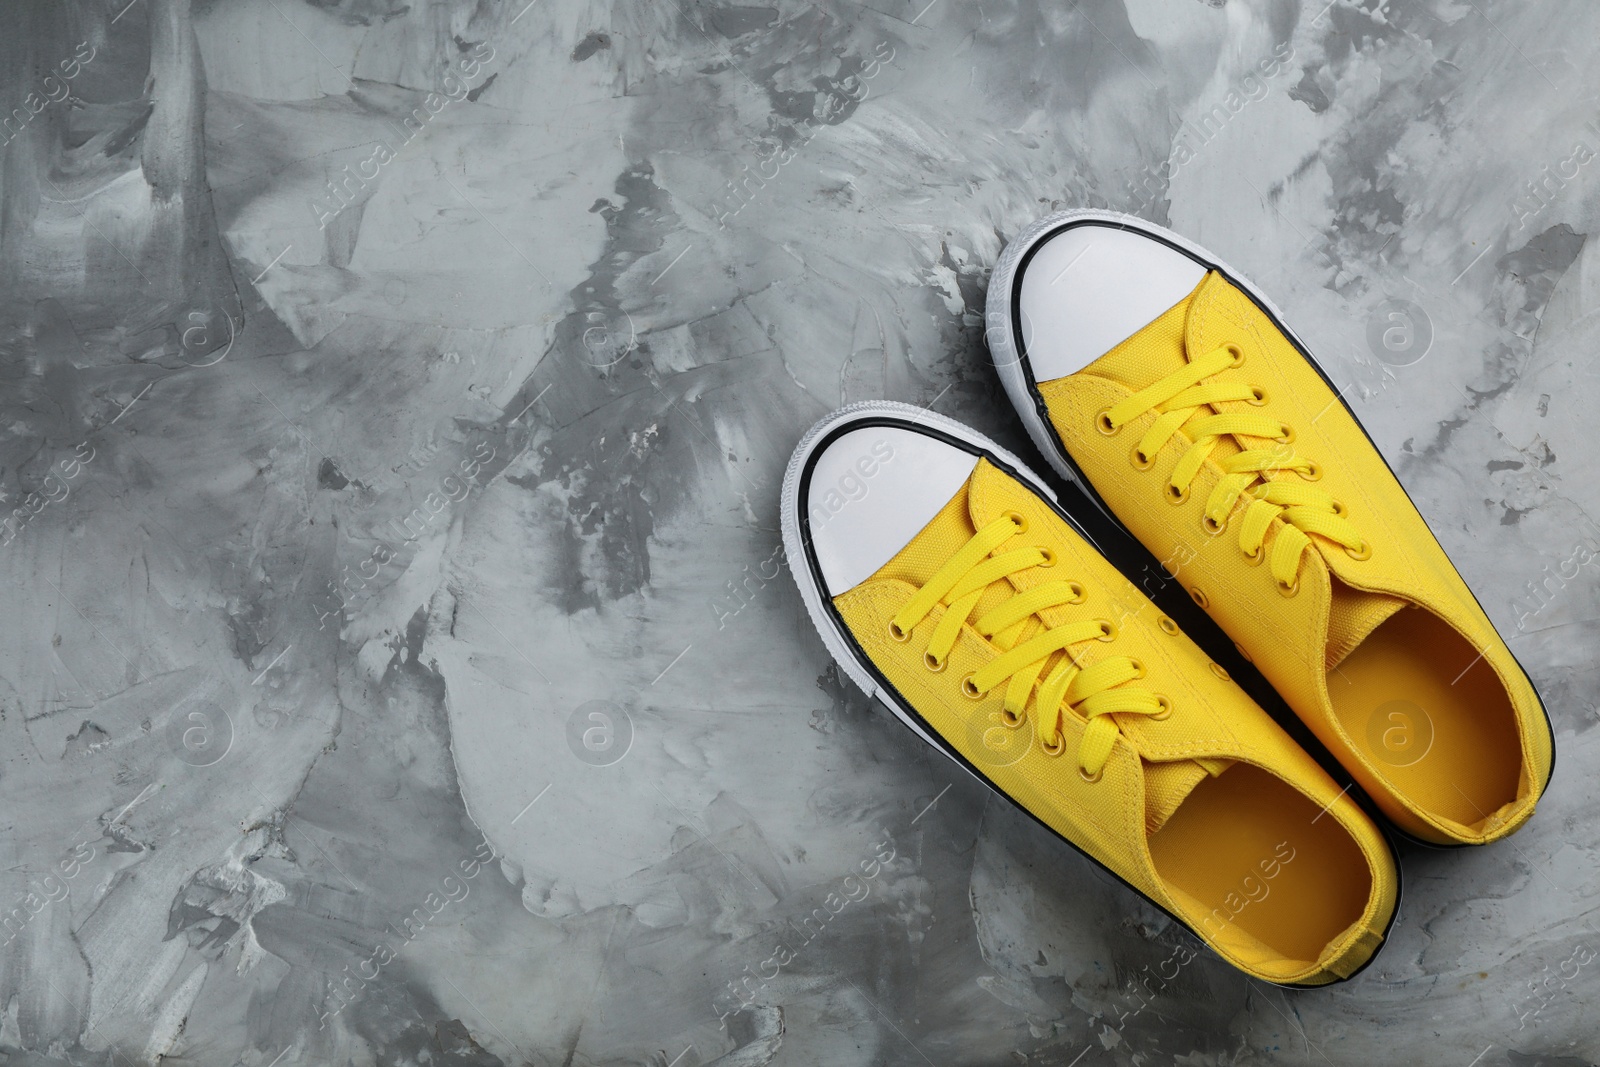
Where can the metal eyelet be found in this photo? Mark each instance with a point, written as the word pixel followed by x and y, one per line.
pixel 1011 721
pixel 1211 526
pixel 1340 510
pixel 1168 627
pixel 1019 520
pixel 898 634
pixel 1287 436
pixel 1077 593
pixel 970 690
pixel 1049 555
pixel 1255 558
pixel 1198 595
pixel 1291 589
pixel 1238 355
pixel 1140 461
pixel 1242 653
pixel 1166 709
pixel 1059 747
pixel 933 664
pixel 1176 495
pixel 1258 396
pixel 1361 552
pixel 1108 630
pixel 1103 421
pixel 1313 473
pixel 1091 778
pixel 1138 665
pixel 1216 669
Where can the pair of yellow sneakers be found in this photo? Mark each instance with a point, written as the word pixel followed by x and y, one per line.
pixel 947 580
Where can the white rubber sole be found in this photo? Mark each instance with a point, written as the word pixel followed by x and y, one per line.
pixel 1000 327
pixel 846 653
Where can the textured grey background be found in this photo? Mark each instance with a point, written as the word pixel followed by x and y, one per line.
pixel 358 535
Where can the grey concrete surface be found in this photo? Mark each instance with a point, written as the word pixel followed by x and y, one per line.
pixel 398 662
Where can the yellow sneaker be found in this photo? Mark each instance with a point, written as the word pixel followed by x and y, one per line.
pixel 1162 381
pixel 948 583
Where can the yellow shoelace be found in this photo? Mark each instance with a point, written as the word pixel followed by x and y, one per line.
pixel 961 582
pixel 1304 509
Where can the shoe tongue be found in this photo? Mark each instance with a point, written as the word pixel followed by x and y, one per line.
pixel 1217 313
pixel 1168 785
pixel 1353 615
pixel 1214 314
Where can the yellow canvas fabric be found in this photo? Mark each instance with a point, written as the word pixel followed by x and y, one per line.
pixel 1387 658
pixel 1179 807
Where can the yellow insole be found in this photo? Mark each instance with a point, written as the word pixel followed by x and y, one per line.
pixel 1441 732
pixel 1268 874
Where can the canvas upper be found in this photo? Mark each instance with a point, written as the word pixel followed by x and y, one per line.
pixel 1317 564
pixel 1151 760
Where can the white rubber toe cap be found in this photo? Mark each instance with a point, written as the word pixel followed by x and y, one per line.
pixel 1091 287
pixel 872 490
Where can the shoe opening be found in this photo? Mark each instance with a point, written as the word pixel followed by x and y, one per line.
pixel 1263 872
pixel 1430 715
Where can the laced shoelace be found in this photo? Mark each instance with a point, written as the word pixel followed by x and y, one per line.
pixel 1092 690
pixel 1305 509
